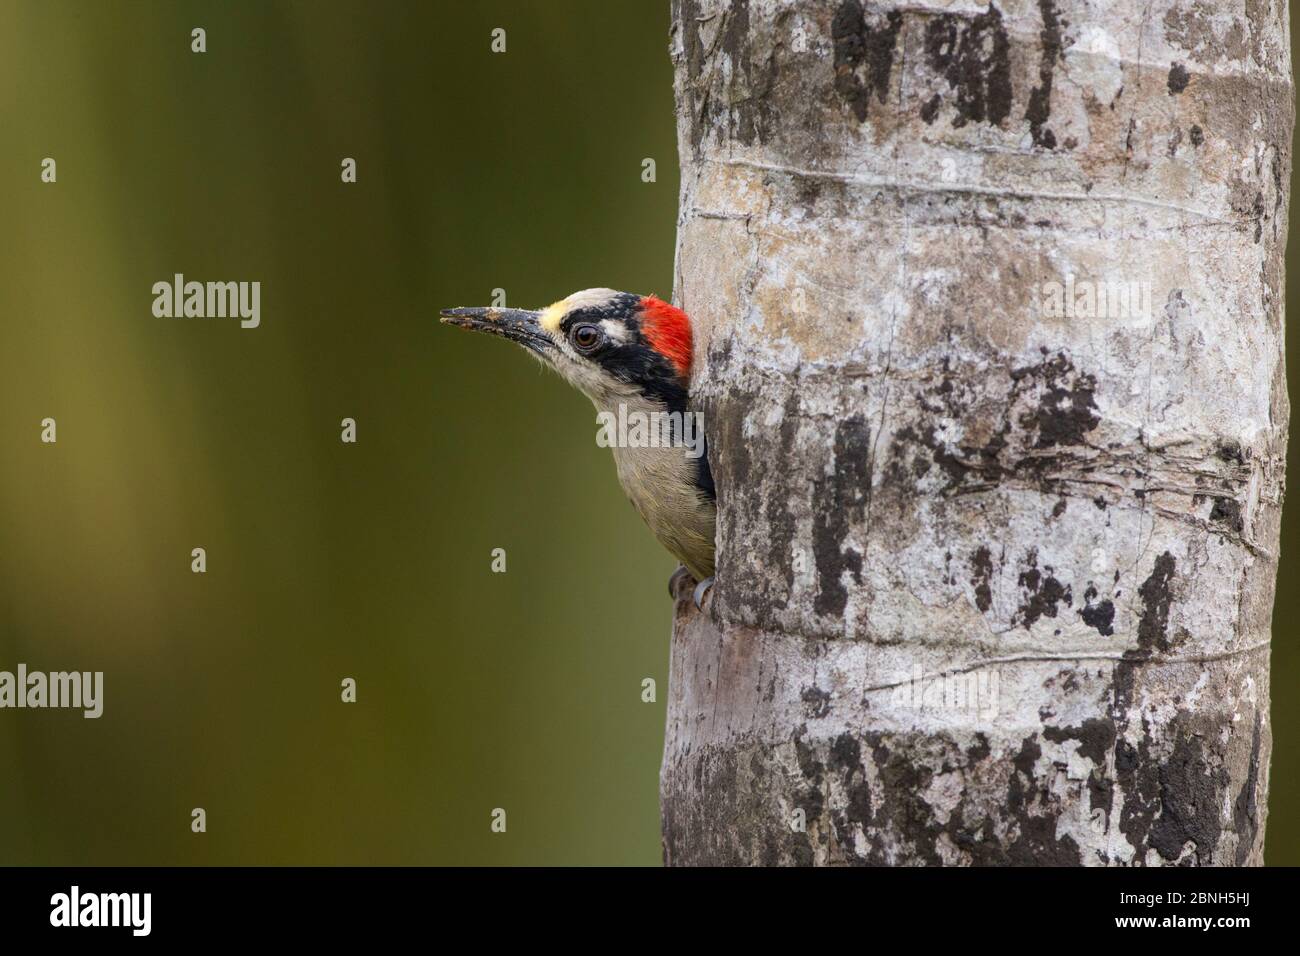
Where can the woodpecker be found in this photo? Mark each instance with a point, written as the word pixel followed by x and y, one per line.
pixel 631 355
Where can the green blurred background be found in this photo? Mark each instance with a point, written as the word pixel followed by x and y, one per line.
pixel 476 690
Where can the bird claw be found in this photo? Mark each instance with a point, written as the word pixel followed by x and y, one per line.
pixel 680 582
pixel 701 592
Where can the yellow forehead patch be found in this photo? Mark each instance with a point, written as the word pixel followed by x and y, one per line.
pixel 552 315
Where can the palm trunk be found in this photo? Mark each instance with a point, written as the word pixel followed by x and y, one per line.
pixel 990 304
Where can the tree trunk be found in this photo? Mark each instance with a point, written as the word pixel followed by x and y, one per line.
pixel 989 300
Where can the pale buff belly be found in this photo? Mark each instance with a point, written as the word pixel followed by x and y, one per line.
pixel 659 483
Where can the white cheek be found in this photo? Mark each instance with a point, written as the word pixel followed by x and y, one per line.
pixel 589 379
pixel 591 382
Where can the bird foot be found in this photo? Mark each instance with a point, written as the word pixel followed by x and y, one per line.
pixel 680 583
pixel 701 592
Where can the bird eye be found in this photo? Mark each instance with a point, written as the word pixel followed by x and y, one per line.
pixel 585 337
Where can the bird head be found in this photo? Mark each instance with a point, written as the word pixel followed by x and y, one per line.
pixel 610 345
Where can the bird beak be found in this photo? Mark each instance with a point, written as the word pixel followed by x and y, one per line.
pixel 518 325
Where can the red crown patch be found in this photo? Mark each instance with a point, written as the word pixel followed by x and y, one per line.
pixel 668 330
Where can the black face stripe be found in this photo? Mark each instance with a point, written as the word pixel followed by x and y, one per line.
pixel 640 365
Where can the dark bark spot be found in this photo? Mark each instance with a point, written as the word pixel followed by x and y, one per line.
pixel 1040 97
pixel 952 464
pixel 1043 592
pixel 1100 615
pixel 846 753
pixel 903 777
pixel 981 573
pixel 845 758
pixel 864 55
pixel 816 702
pixel 1245 810
pixel 1037 844
pixel 973 55
pixel 1228 511
pixel 1028 756
pixel 811 802
pixel 931 108
pixel 780 519
pixel 859 802
pixel 1156 598
pixel 1189 788
pixel 1178 79
pixel 1230 451
pixel 809 765
pixel 1096 736
pixel 1197 136
pixel 1100 792
pixel 840 501
pixel 1133 773
pixel 1067 405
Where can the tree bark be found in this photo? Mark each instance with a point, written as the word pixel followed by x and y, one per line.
pixel 997 542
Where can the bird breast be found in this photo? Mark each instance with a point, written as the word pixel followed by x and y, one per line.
pixel 660 482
